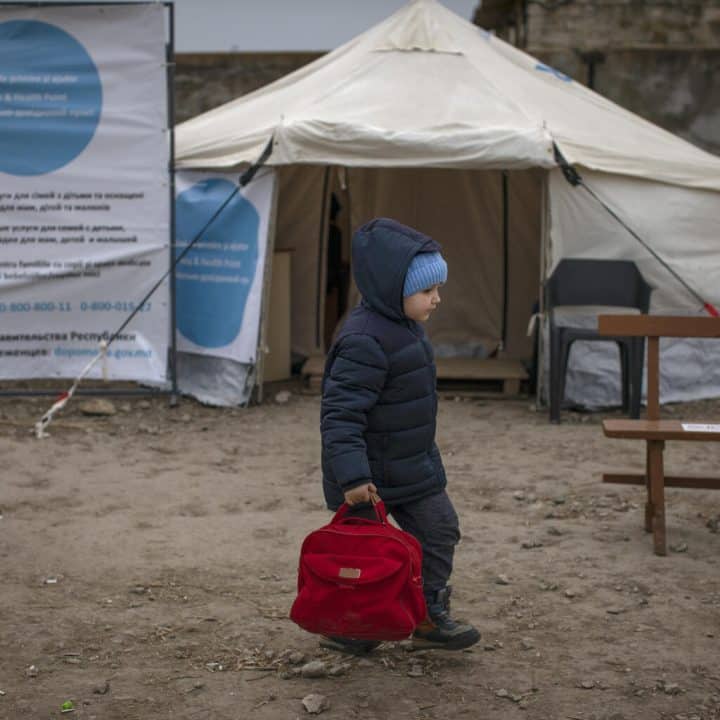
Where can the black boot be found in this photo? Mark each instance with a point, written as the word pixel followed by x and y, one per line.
pixel 348 645
pixel 439 630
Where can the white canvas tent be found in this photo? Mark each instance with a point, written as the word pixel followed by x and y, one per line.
pixel 429 119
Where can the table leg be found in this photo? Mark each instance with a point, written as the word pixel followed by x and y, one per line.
pixel 657 491
pixel 648 487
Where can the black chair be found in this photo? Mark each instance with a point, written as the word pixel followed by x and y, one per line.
pixel 605 283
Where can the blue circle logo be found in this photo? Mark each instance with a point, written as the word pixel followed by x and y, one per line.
pixel 215 276
pixel 50 97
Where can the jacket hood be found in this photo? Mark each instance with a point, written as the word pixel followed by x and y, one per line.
pixel 381 254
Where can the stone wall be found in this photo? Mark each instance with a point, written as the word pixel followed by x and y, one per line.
pixel 656 58
pixel 204 81
pixel 674 88
pixel 620 23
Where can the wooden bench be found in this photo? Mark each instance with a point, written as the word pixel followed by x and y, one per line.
pixel 653 430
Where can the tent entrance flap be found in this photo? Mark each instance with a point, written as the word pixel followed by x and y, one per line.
pixel 492 253
pixel 300 227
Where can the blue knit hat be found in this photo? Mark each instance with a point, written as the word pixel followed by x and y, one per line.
pixel 425 270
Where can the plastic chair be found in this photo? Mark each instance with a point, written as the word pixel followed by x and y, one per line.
pixel 605 283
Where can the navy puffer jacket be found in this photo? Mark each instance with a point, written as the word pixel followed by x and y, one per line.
pixel 379 400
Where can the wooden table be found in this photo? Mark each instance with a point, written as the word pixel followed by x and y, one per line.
pixel 653 430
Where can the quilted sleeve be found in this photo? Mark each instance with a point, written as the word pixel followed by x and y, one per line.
pixel 351 390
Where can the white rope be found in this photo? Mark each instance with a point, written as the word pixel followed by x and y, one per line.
pixel 63 400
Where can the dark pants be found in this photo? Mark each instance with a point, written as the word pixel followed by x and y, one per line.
pixel 434 522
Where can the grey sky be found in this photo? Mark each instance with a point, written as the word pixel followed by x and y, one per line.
pixel 269 25
pixel 256 25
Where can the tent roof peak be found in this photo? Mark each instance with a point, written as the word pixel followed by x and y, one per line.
pixel 418 26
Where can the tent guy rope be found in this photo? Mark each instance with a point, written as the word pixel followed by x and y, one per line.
pixel 575 179
pixel 103 346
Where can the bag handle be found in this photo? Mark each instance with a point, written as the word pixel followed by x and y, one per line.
pixel 378 507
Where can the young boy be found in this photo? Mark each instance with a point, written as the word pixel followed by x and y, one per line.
pixel 378 411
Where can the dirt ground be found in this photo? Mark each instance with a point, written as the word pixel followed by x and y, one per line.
pixel 149 561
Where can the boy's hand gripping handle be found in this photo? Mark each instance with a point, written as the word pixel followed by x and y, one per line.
pixel 378 507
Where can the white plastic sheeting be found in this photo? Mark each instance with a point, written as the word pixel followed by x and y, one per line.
pixel 683 227
pixel 215 380
pixel 689 370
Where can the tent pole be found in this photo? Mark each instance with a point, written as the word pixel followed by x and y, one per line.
pixel 544 255
pixel 352 294
pixel 262 348
pixel 505 234
pixel 321 270
pixel 347 239
pixel 170 60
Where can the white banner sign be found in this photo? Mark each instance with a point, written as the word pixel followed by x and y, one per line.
pixel 84 189
pixel 219 282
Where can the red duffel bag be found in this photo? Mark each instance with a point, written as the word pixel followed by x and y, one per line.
pixel 360 578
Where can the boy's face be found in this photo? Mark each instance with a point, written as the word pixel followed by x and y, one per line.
pixel 420 305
